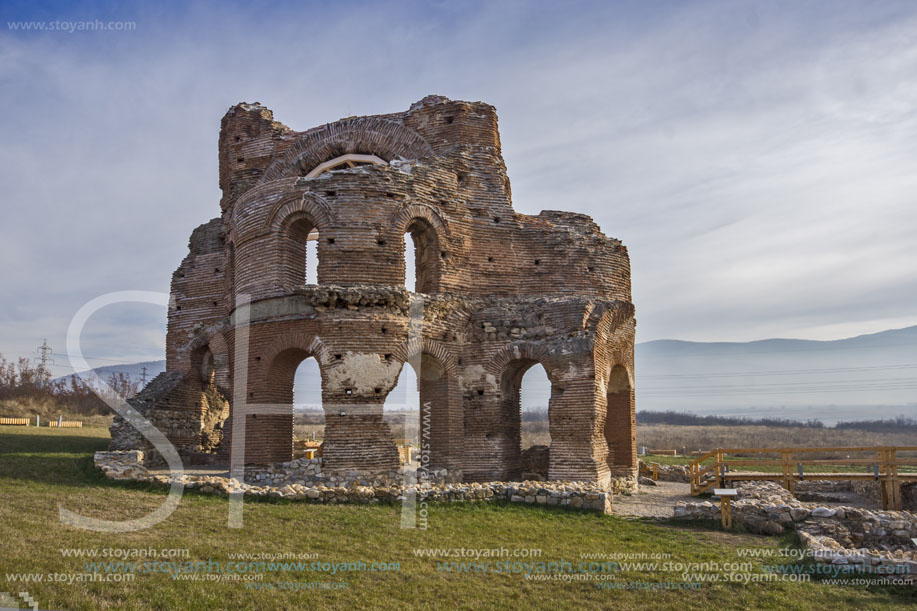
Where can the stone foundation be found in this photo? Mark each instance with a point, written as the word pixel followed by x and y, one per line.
pixel 838 535
pixel 281 483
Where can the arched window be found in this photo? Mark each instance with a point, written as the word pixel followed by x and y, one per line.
pixel 308 416
pixel 534 395
pixel 423 250
pixel 300 253
pixel 312 257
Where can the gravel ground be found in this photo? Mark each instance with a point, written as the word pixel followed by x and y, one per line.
pixel 653 501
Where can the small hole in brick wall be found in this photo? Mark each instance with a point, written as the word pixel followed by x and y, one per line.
pixel 537 262
pixel 590 268
pixel 378 391
pixel 391 195
pixel 380 242
pixel 337 357
pixel 384 330
pixel 214 303
pixel 490 259
pixel 251 395
pixel 480 393
pixel 459 177
pixel 445 336
pixel 460 361
pixel 449 120
pixel 240 159
pixel 388 357
pixel 238 138
pixel 348 392
pixel 330 193
pixel 496 219
pixel 257 358
pixel 181 275
pixel 216 270
pixel 442 254
pixel 331 240
pixel 178 307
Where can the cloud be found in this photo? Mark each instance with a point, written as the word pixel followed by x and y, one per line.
pixel 757 159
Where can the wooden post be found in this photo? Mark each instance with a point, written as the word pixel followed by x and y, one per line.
pixel 787 471
pixel 726 511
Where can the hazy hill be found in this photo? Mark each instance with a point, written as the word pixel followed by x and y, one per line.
pixel 134 370
pixel 868 376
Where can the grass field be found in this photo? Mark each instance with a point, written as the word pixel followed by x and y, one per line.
pixel 41 470
pixel 676 437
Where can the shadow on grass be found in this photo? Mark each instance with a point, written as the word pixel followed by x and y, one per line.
pixel 49 444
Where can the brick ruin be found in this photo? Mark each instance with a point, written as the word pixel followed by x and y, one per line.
pixel 496 292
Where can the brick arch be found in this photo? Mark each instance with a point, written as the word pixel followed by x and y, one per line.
pixel 528 351
pixel 310 205
pixel 269 220
pixel 363 135
pixel 411 212
pixel 417 346
pixel 306 342
pixel 240 226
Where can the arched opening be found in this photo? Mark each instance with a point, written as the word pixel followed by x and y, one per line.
pixel 423 250
pixel 620 429
pixel 300 253
pixel 312 257
pixel 527 455
pixel 410 273
pixel 269 433
pixel 420 406
pixel 401 411
pixel 308 415
pixel 534 395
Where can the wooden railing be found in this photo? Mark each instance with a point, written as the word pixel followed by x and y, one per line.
pixel 66 424
pixel 881 463
pixel 14 421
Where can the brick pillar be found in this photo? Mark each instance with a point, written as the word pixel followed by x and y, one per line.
pixel 574 454
pixel 356 437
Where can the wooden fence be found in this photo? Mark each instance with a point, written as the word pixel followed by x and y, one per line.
pixel 880 463
pixel 14 421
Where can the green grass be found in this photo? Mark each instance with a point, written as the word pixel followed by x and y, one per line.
pixel 40 471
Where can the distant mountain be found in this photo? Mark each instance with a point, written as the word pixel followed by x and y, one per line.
pixel 868 376
pixel 134 370
pixel 864 377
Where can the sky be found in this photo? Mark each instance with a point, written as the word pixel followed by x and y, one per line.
pixel 757 158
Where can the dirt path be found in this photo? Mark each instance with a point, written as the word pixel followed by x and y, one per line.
pixel 653 501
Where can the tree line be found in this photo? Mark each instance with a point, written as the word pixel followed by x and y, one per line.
pixel 21 381
pixel 891 425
